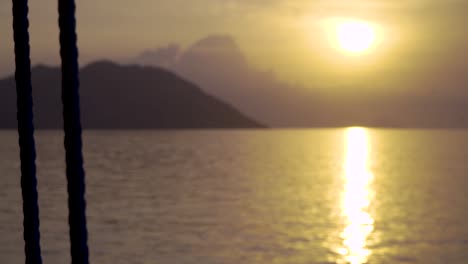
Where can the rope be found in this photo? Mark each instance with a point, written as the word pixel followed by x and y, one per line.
pixel 72 128
pixel 31 235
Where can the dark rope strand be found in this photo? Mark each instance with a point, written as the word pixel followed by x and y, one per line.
pixel 31 233
pixel 72 127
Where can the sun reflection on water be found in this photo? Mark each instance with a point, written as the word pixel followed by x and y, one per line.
pixel 356 198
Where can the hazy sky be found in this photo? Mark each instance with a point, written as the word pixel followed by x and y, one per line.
pixel 418 37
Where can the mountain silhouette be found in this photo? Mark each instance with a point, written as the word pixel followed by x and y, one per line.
pixel 218 65
pixel 124 96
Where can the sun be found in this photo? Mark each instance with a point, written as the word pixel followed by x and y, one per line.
pixel 355 37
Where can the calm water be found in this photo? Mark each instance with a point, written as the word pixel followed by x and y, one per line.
pixel 306 196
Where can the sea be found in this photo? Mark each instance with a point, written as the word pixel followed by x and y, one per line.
pixel 346 195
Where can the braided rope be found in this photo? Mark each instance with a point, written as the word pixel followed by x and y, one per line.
pixel 72 128
pixel 31 233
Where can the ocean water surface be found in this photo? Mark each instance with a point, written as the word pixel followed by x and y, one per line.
pixel 251 196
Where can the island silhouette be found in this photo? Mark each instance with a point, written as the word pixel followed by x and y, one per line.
pixel 117 96
pixel 211 85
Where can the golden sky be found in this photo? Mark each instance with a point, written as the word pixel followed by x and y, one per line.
pixel 418 37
